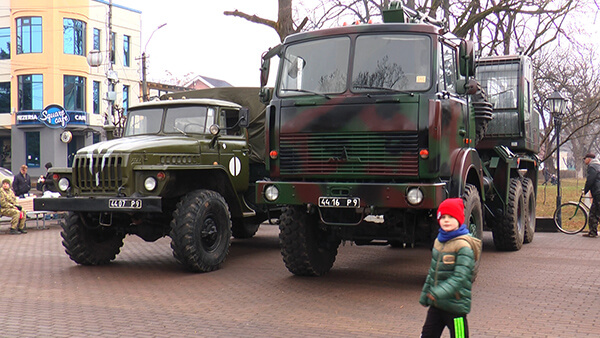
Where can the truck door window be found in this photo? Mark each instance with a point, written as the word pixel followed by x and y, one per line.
pixel 143 121
pixel 395 62
pixel 315 67
pixel 230 119
pixel 449 68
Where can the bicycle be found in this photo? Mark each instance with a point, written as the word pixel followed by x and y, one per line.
pixel 572 217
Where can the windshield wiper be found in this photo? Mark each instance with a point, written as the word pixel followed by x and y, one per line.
pixel 386 89
pixel 305 91
pixel 181 131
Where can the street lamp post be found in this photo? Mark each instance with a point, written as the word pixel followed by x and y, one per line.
pixel 144 83
pixel 557 104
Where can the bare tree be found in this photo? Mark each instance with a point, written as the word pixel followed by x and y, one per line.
pixel 577 76
pixel 284 25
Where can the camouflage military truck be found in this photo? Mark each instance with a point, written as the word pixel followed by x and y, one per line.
pixel 185 168
pixel 371 127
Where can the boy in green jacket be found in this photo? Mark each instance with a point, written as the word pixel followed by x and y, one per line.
pixel 447 290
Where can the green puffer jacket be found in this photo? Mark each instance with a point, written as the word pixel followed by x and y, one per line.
pixel 451 273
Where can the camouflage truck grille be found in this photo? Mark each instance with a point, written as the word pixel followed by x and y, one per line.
pixel 98 173
pixel 378 153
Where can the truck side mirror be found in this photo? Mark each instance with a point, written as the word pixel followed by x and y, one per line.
pixel 264 72
pixel 466 60
pixel 265 95
pixel 244 121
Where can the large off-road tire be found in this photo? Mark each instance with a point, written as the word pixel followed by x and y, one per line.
pixel 473 211
pixel 530 204
pixel 242 230
pixel 473 218
pixel 201 231
pixel 509 229
pixel 89 243
pixel 307 249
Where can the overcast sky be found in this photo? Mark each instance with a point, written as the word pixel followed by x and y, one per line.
pixel 199 38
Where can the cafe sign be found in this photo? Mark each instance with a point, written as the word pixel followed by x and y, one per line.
pixel 53 116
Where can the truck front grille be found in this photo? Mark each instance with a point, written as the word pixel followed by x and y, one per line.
pixel 375 153
pixel 98 173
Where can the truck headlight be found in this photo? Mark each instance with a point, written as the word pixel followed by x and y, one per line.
pixel 271 193
pixel 414 196
pixel 150 183
pixel 63 184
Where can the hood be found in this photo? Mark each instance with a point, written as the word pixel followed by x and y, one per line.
pixel 149 143
pixel 476 244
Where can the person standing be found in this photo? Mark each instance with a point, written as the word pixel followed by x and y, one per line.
pixel 447 289
pixel 10 208
pixel 592 184
pixel 22 182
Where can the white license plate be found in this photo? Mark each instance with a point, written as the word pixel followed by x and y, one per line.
pixel 339 202
pixel 124 203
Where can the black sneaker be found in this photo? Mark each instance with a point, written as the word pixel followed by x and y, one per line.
pixel 590 235
pixel 23 231
pixel 14 232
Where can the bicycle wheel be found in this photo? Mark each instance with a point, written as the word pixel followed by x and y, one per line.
pixel 571 219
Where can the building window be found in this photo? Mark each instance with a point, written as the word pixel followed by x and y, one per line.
pixel 74 93
pixel 96 39
pixel 5 43
pixel 31 92
pixel 125 99
pixel 113 37
pixel 126 50
pixel 32 149
pixel 73 37
pixel 29 35
pixel 4 97
pixel 96 96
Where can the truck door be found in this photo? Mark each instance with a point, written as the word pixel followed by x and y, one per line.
pixel 233 148
pixel 455 117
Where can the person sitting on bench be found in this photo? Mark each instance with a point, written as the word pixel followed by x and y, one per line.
pixel 10 208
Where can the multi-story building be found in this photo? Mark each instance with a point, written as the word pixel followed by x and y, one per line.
pixel 52 101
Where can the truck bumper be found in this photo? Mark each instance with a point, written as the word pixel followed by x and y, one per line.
pixel 378 195
pixel 99 204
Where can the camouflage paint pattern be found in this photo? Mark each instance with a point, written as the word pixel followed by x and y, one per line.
pixel 367 146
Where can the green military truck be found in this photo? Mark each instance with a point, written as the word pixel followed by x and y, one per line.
pixel 371 127
pixel 185 168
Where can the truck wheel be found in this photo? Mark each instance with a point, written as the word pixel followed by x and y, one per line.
pixel 473 211
pixel 530 205
pixel 509 229
pixel 201 231
pixel 307 250
pixel 473 219
pixel 86 245
pixel 242 230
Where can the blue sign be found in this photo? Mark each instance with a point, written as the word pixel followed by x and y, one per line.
pixel 53 116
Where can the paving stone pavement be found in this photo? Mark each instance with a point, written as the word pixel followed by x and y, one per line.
pixel 547 289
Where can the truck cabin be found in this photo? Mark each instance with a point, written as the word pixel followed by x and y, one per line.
pixel 187 117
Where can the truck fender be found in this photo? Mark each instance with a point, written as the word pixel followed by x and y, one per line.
pixel 212 178
pixel 466 168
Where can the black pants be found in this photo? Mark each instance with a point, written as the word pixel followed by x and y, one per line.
pixel 594 215
pixel 438 319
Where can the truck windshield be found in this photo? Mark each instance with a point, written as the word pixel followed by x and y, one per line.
pixel 315 67
pixel 500 83
pixel 399 62
pixel 143 121
pixel 391 62
pixel 189 119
